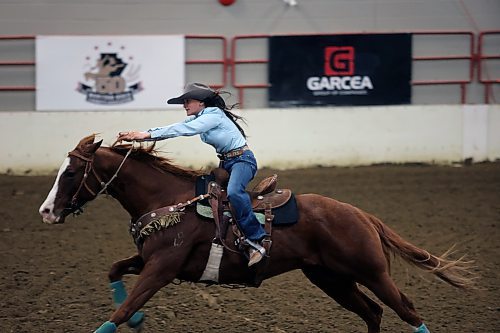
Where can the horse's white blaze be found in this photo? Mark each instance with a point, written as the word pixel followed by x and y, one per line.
pixel 47 208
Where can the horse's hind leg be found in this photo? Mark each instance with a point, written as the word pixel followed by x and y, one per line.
pixel 346 293
pixel 386 290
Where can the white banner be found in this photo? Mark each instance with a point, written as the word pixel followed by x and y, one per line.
pixel 108 72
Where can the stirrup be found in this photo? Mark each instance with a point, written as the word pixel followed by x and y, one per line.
pixel 255 246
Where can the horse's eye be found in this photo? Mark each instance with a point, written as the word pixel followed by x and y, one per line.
pixel 70 174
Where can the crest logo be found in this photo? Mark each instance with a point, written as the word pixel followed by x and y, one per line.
pixel 109 79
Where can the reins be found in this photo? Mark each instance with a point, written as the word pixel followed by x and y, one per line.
pixel 104 188
pixel 89 169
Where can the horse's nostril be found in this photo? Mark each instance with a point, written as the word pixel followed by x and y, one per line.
pixel 46 210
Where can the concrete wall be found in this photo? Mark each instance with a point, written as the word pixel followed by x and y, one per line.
pixel 38 142
pixel 244 17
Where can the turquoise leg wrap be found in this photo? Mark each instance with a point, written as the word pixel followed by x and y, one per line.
pixel 119 292
pixel 107 327
pixel 422 329
pixel 136 319
pixel 119 296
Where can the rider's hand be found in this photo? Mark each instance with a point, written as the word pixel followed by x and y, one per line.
pixel 131 136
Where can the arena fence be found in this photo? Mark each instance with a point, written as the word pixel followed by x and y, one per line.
pixel 11 40
pixel 483 57
pixel 229 64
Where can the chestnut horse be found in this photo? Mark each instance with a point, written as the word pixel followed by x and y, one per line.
pixel 335 244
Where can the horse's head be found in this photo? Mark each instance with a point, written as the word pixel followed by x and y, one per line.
pixel 70 190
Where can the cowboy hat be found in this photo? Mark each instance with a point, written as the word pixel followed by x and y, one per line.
pixel 198 91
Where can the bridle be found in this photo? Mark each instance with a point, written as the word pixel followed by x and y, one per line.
pixel 89 169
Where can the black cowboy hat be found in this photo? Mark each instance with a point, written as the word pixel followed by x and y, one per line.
pixel 198 91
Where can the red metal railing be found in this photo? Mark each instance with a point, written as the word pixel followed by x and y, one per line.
pixel 235 62
pixel 222 61
pixel 17 63
pixel 470 56
pixel 481 56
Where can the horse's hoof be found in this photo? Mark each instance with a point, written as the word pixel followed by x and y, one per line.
pixel 136 322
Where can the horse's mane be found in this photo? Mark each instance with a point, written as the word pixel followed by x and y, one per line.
pixel 149 155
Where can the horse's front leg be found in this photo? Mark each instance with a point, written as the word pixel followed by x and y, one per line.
pixel 131 265
pixel 156 273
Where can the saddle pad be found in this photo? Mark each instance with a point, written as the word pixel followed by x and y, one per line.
pixel 206 211
pixel 287 214
pixel 284 215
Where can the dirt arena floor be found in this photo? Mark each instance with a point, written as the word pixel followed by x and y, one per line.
pixel 54 278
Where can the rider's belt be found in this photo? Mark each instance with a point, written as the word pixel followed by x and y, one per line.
pixel 233 153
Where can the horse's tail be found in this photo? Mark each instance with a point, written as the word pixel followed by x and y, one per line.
pixel 455 272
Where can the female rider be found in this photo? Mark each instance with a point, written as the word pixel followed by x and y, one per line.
pixel 209 117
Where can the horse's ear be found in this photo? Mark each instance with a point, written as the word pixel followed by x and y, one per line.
pixel 87 145
pixel 93 147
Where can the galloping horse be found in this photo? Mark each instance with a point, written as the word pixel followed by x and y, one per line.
pixel 335 244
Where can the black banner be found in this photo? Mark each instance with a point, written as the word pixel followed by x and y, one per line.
pixel 363 69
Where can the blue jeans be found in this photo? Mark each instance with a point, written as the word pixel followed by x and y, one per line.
pixel 241 171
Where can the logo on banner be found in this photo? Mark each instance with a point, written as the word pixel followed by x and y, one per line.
pixel 339 60
pixel 339 74
pixel 114 81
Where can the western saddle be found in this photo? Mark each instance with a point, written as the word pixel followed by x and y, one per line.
pixel 264 197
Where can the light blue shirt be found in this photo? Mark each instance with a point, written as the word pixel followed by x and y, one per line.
pixel 213 126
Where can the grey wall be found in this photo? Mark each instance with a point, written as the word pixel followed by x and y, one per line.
pixel 244 17
pixel 32 17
